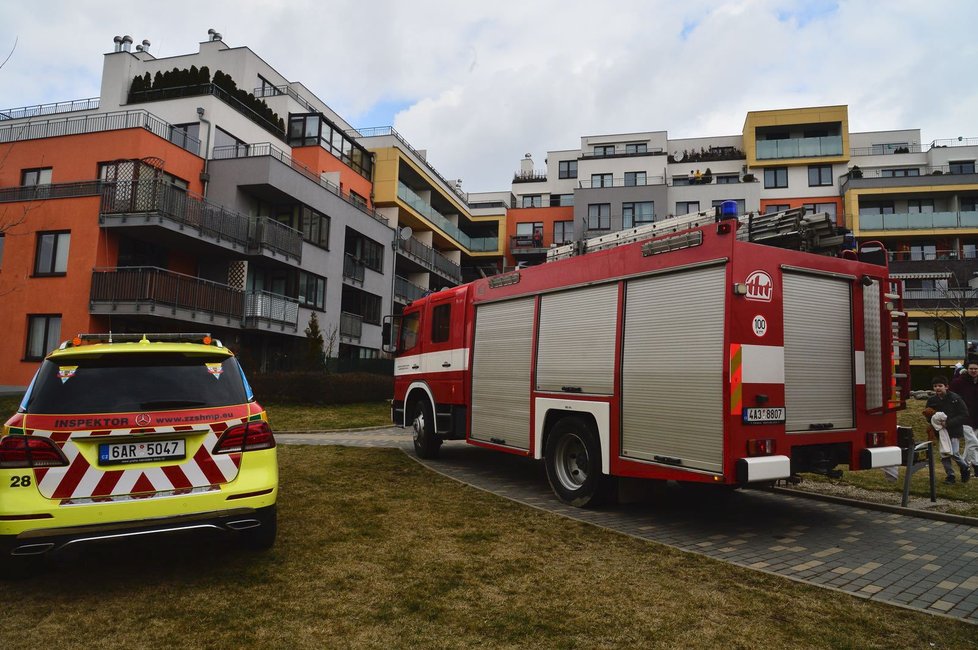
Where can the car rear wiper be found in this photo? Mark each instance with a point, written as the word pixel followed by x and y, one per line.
pixel 170 403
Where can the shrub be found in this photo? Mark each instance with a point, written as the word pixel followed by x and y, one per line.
pixel 320 388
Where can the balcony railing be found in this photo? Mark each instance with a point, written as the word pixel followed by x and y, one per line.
pixel 530 177
pixel 51 191
pixel 947 351
pixel 951 296
pixel 278 91
pixel 97 123
pixel 920 256
pixel 50 109
pixel 799 147
pixel 622 182
pixel 524 245
pixel 430 258
pixel 351 325
pixel 916 220
pixel 353 268
pixel 910 171
pixel 406 291
pixel 208 89
pixel 887 149
pixel 475 244
pixel 148 285
pixel 389 130
pixel 157 198
pixel 271 308
pixel 268 149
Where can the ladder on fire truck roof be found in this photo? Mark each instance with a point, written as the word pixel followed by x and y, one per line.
pixel 793 228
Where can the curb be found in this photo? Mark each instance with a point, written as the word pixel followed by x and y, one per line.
pixel 884 507
pixel 314 431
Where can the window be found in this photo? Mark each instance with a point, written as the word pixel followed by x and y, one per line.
pixel 969 251
pixel 604 150
pixel 567 169
pixel 636 147
pixel 633 214
pixel 224 139
pixel 314 226
pixel 561 199
pixel 408 334
pixel 741 204
pixel 899 173
pixel 533 201
pixel 687 207
pixel 635 179
pixel 680 180
pixel 267 89
pixel 601 180
pixel 817 175
pixel 361 303
pixel 527 228
pixel 921 252
pixel 969 204
pixel 441 318
pixel 563 232
pixel 725 179
pixel 365 250
pixel 599 216
pixel 812 208
pixel 43 335
pixel 51 255
pixel 35 177
pixel 775 177
pixel 357 199
pixel 918 206
pixel 870 208
pixel 961 167
pixel 776 207
pixel 184 135
pixel 312 290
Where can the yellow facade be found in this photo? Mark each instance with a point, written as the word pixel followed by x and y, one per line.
pixel 795 117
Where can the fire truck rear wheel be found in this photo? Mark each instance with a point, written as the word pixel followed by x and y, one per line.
pixel 426 443
pixel 573 462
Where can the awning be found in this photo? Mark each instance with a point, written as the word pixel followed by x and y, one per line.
pixel 939 275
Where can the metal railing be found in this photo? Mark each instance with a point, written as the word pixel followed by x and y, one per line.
pixel 430 258
pixel 956 296
pixel 529 177
pixel 156 197
pixel 950 351
pixel 888 149
pixel 621 182
pixel 621 152
pixel 407 291
pixel 50 109
pixel 921 256
pixel 475 244
pixel 50 191
pixel 351 325
pixel 278 91
pixel 97 123
pixel 259 149
pixel 918 220
pixel 799 147
pixel 353 268
pixel 389 130
pixel 271 308
pixel 152 285
pixel 208 89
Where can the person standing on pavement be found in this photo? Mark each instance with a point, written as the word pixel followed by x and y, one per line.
pixel 966 386
pixel 949 415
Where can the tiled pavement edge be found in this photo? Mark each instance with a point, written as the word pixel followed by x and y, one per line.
pixel 891 557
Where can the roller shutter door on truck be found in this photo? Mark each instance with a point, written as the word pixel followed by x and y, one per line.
pixel 672 368
pixel 501 372
pixel 818 373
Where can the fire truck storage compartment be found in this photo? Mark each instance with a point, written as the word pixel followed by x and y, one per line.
pixel 818 359
pixel 576 350
pixel 873 335
pixel 672 360
pixel 501 372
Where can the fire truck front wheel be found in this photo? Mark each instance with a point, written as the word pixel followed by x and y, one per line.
pixel 426 443
pixel 573 462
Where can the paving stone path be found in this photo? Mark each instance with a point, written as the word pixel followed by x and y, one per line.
pixel 900 559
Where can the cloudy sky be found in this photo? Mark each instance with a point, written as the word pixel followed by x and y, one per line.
pixel 479 83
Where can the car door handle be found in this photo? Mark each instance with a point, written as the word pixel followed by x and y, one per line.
pixel 446 365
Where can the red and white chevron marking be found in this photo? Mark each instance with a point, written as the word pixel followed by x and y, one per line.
pixel 80 480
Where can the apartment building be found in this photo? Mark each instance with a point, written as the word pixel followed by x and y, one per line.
pixel 918 199
pixel 207 192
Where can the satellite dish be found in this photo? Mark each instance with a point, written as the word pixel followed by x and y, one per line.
pixel 678 156
pixel 405 232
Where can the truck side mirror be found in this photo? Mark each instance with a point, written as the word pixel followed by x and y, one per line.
pixel 385 332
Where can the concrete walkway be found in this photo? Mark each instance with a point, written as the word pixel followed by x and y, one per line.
pixel 897 558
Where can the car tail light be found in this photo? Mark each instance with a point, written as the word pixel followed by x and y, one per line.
pixel 30 451
pixel 249 436
pixel 760 447
pixel 875 438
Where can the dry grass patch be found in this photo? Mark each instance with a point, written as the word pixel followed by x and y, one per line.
pixel 376 551
pixel 298 417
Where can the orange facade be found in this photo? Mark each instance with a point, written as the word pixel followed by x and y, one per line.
pixel 22 291
pixel 546 217
pixel 319 160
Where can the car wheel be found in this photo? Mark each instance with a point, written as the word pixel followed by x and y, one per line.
pixel 426 443
pixel 573 463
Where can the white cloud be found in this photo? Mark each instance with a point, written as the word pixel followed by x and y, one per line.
pixel 484 82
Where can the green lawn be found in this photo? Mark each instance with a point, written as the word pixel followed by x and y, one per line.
pixel 374 550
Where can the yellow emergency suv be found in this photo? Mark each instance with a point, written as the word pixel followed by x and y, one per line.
pixel 121 435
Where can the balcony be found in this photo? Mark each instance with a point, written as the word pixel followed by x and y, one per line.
pixel 524 245
pixel 949 352
pixel 52 191
pixel 909 176
pixel 623 182
pixel 472 244
pixel 919 220
pixel 353 269
pixel 799 148
pixel 50 109
pixel 530 177
pixel 351 325
pixel 430 259
pixel 198 90
pixel 98 123
pixel 407 292
pixel 267 149
pixel 151 291
pixel 147 203
pixel 380 131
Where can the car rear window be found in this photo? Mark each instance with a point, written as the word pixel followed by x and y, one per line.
pixel 117 383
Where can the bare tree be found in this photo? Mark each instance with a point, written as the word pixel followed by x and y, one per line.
pixel 949 309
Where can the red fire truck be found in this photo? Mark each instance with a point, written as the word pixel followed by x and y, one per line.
pixel 700 348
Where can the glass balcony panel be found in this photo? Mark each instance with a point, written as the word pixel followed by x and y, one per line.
pixel 871 221
pixel 969 219
pixel 903 220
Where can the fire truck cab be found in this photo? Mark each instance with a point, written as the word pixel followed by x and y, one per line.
pixel 691 353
